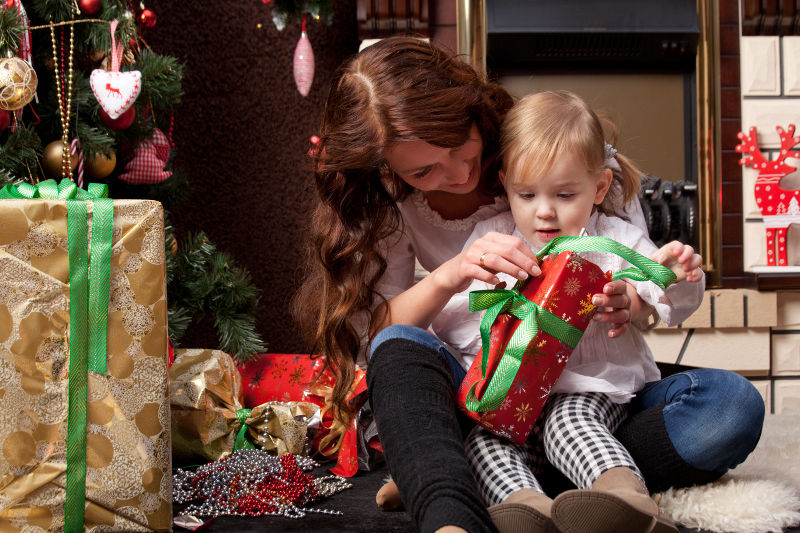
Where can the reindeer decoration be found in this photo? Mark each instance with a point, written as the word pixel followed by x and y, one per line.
pixel 780 208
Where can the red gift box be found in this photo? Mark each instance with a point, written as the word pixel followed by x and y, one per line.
pixel 529 332
pixel 293 377
pixel 563 308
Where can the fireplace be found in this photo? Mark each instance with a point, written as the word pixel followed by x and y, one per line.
pixel 632 60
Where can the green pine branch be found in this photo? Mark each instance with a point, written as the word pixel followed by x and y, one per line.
pixel 161 81
pixel 53 10
pixel 238 335
pixel 94 141
pixel 178 321
pixel 203 281
pixel 91 37
pixel 20 154
pixel 10 30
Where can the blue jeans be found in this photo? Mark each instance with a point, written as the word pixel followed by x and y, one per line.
pixel 426 338
pixel 713 417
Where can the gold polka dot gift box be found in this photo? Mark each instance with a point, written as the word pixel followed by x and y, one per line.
pixel 84 408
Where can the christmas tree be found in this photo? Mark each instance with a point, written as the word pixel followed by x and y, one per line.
pixel 83 97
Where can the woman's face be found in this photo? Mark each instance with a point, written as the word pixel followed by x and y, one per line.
pixel 430 168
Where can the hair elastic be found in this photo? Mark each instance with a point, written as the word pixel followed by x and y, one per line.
pixel 611 161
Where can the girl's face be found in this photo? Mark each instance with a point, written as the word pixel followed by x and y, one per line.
pixel 431 168
pixel 557 203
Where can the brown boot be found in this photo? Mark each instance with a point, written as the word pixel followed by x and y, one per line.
pixel 617 502
pixel 524 511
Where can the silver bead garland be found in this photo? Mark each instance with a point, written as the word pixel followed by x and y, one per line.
pixel 223 486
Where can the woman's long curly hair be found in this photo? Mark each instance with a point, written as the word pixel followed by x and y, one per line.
pixel 399 89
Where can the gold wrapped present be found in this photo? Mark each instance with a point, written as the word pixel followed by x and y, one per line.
pixel 84 426
pixel 208 419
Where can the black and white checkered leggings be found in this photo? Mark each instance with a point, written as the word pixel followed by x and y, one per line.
pixel 574 433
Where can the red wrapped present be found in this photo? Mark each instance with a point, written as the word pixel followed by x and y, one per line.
pixel 293 377
pixel 529 332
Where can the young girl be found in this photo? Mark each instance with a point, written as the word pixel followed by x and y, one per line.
pixel 558 175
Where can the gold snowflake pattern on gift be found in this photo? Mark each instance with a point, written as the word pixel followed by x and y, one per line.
pixel 486 418
pixel 572 286
pixel 279 368
pixel 534 351
pixel 297 375
pixel 552 299
pixel 586 306
pixel 522 413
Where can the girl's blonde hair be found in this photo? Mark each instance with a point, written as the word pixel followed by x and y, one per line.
pixel 544 126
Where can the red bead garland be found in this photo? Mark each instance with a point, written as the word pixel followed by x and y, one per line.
pixel 254 483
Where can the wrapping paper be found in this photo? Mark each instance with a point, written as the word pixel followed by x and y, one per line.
pixel 565 290
pixel 128 461
pixel 293 377
pixel 529 332
pixel 208 417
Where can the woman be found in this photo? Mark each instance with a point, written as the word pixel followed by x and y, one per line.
pixel 406 167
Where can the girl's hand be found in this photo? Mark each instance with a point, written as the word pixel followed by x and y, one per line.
pixel 681 259
pixel 617 305
pixel 484 258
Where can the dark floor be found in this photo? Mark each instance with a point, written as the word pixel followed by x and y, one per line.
pixel 359 508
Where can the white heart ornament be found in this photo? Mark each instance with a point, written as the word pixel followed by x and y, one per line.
pixel 116 91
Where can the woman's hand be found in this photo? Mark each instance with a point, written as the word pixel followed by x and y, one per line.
pixel 681 259
pixel 618 305
pixel 484 258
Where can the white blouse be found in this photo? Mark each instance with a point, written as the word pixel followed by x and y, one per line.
pixel 428 238
pixel 618 367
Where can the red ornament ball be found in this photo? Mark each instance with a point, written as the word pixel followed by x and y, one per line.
pixel 123 122
pixel 90 7
pixel 11 3
pixel 5 119
pixel 147 18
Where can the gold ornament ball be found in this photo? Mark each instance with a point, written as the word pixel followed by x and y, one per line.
pixel 17 83
pixel 51 159
pixel 100 165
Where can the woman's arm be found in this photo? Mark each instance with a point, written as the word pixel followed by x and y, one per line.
pixel 481 260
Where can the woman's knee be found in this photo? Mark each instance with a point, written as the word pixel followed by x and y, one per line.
pixel 402 331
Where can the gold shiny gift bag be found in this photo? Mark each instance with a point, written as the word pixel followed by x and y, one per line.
pixel 128 482
pixel 209 421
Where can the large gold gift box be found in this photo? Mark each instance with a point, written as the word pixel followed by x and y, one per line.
pixel 128 458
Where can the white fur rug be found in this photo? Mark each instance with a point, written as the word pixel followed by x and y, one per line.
pixel 762 495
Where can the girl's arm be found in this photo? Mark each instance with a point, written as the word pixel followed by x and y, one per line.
pixel 481 260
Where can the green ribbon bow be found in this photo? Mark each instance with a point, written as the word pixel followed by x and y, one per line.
pixel 89 284
pixel 242 441
pixel 535 318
